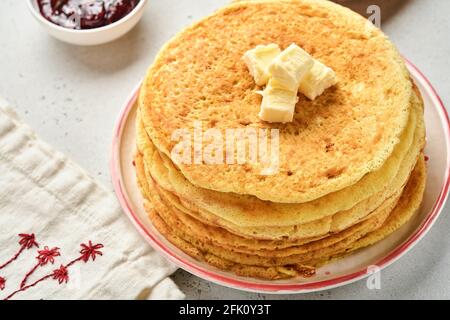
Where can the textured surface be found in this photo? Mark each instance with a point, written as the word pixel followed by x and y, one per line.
pixel 200 76
pixel 403 212
pixel 184 227
pixel 66 78
pixel 231 210
pixel 281 263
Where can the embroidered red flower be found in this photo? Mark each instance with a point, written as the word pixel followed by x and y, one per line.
pixel 90 251
pixel 2 283
pixel 44 256
pixel 28 240
pixel 61 274
pixel 48 255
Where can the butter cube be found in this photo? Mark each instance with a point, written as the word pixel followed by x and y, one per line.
pixel 318 79
pixel 258 61
pixel 278 104
pixel 291 66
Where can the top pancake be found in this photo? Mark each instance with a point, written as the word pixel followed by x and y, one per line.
pixel 253 217
pixel 333 142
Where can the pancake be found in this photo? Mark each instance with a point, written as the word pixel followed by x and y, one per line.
pixel 186 226
pixel 348 132
pixel 271 273
pixel 298 233
pixel 401 216
pixel 250 211
pixel 319 227
pixel 260 257
pixel 286 257
pixel 294 265
pixel 351 168
pixel 211 233
pixel 405 210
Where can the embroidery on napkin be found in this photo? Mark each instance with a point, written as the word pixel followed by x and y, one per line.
pixel 88 252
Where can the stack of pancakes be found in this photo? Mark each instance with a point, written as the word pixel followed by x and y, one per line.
pixel 351 167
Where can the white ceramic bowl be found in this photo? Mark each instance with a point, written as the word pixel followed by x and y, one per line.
pixel 90 37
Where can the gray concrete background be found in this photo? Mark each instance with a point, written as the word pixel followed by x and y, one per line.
pixel 72 95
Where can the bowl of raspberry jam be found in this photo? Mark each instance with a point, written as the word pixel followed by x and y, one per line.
pixel 87 22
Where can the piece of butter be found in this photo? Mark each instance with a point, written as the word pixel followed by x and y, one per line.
pixel 286 73
pixel 278 104
pixel 258 61
pixel 291 66
pixel 318 79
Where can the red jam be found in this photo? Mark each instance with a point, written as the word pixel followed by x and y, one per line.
pixel 85 14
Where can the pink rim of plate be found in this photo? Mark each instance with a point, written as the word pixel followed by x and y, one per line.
pixel 229 281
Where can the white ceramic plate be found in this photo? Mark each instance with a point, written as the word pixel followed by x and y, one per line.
pixel 350 269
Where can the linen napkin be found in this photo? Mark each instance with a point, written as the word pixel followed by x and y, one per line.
pixel 62 235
